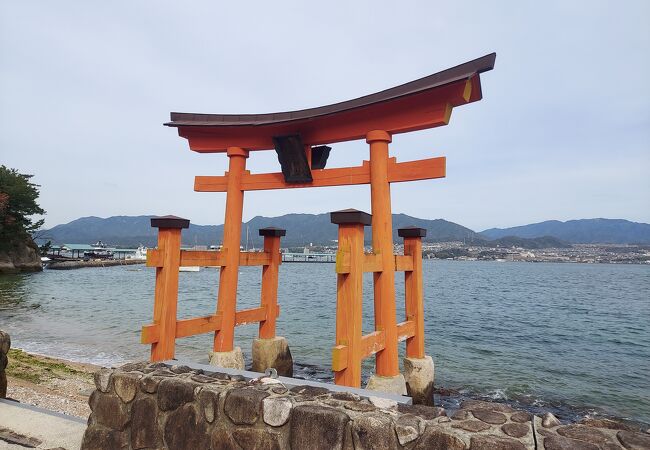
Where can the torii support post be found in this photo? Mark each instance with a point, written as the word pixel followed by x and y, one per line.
pixel 387 376
pixel 419 370
pixel 225 354
pixel 166 292
pixel 270 350
pixel 347 355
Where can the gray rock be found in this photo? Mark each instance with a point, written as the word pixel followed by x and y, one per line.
pixel 252 439
pixel 607 423
pixel 437 439
pixel 360 407
pixel 471 425
pixel 222 440
pixel 126 385
pixel 5 342
pixel 243 406
pixel 310 391
pixel 103 379
pixel 521 417
pixel 185 430
pixel 134 366
pixel 426 412
pixel 495 418
pixel 144 425
pixel 276 410
pixel 4 361
pixel 100 438
pixel 317 428
pixel 274 353
pixel 517 430
pixel 419 376
pixel 550 421
pixel 554 442
pixel 149 384
pixel 173 392
pixel 346 396
pixel 3 384
pixel 461 414
pixel 374 432
pixel 486 442
pixel 634 440
pixel 109 411
pixel 586 434
pixel 408 428
pixel 383 403
pixel 180 369
pixel 209 402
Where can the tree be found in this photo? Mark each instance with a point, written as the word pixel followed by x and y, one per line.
pixel 17 203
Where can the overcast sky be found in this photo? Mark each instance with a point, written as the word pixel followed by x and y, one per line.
pixel 563 130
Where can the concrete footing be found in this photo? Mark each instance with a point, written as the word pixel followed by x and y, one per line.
pixel 273 353
pixel 419 375
pixel 392 385
pixel 233 359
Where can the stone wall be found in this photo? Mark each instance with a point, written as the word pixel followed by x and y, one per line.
pixel 5 344
pixel 145 405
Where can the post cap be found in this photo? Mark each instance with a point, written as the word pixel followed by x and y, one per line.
pixel 272 232
pixel 412 232
pixel 169 222
pixel 350 216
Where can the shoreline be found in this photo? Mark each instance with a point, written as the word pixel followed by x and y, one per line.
pixel 64 386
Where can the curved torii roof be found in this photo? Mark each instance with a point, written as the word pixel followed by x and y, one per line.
pixel 419 104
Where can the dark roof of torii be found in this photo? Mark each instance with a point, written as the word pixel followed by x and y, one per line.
pixel 461 72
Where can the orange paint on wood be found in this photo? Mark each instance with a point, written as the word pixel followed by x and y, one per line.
pixel 403 263
pixel 228 276
pixel 414 304
pixel 348 307
pixel 386 363
pixel 202 258
pixel 372 343
pixel 246 316
pixel 372 263
pixel 425 169
pixel 166 294
pixel 269 295
pixel 255 258
pixel 402 115
pixel 405 330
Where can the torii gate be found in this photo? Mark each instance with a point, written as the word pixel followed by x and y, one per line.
pixel 300 138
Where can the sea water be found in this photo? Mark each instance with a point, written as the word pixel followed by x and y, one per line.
pixel 572 338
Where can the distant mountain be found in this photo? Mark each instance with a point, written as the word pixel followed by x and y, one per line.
pixel 301 229
pixel 584 231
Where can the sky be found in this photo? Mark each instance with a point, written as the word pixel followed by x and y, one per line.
pixel 562 132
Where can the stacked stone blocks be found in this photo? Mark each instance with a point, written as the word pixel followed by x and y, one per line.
pixel 5 345
pixel 153 405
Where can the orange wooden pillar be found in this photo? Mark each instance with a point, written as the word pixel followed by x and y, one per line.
pixel 269 299
pixel 228 276
pixel 166 292
pixel 414 306
pixel 347 354
pixel 387 364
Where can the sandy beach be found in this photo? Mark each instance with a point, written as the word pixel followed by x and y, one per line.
pixel 50 383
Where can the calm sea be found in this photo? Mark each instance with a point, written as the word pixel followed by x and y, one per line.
pixel 572 338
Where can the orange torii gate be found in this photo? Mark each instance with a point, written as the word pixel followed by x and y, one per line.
pixel 300 139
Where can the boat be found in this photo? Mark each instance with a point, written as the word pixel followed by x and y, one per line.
pixel 140 254
pixel 189 268
pixel 99 251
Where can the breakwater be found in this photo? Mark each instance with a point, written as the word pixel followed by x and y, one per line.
pixel 156 405
pixel 69 265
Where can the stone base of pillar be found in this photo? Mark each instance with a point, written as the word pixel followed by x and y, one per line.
pixel 419 375
pixel 390 385
pixel 273 353
pixel 233 359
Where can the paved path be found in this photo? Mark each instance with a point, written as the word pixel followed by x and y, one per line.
pixel 23 426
